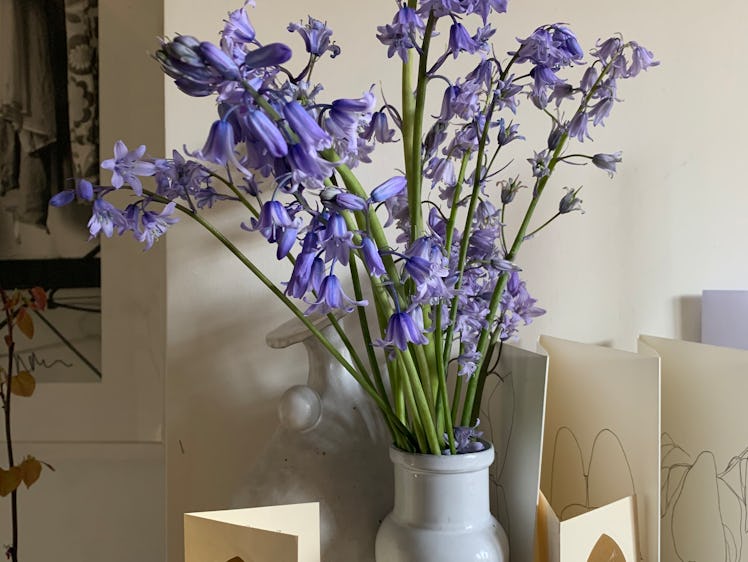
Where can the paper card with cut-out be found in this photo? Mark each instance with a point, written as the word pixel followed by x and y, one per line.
pixel 512 419
pixel 283 533
pixel 601 439
pixel 704 450
pixel 605 534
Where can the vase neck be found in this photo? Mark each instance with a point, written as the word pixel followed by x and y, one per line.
pixel 431 497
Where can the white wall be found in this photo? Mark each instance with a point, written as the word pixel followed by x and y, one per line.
pixel 667 226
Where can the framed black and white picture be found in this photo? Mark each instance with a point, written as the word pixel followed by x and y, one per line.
pixel 49 134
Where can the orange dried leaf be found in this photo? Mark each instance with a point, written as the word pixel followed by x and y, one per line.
pixel 9 480
pixel 30 470
pixel 23 384
pixel 40 298
pixel 25 323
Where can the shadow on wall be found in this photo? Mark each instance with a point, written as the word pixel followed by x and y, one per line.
pixel 688 318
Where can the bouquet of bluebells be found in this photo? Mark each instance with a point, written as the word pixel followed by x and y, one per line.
pixel 444 284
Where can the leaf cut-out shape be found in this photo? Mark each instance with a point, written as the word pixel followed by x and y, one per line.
pixel 23 384
pixel 235 559
pixel 606 550
pixel 9 480
pixel 25 323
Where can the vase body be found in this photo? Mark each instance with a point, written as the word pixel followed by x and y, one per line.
pixel 330 446
pixel 441 511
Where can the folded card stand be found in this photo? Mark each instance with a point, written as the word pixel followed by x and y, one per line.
pixel 605 534
pixel 283 533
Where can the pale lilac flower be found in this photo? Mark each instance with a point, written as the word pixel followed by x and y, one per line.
pixel 379 128
pixel 467 439
pixel 316 37
pixel 578 127
pixel 127 165
pixel 84 191
pixel 238 28
pixel 570 202
pixel 219 147
pixel 607 162
pixel 337 240
pixel 155 225
pixel 400 36
pixel 641 59
pixel 306 126
pixel 540 163
pixel 219 60
pixel 104 218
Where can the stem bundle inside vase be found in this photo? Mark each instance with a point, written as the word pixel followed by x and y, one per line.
pixel 428 248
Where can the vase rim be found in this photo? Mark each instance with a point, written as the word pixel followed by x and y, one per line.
pixel 463 462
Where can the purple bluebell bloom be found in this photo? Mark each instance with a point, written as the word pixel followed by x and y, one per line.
pixel 263 129
pixel 509 189
pixel 272 54
pixel 335 199
pixel 466 439
pixel 331 298
pixel 483 73
pixel 588 78
pixel 304 125
pixel 540 163
pixel 238 28
pixel 274 219
pixel 600 111
pixel 578 126
pixel 390 188
pixel 219 147
pixel 308 269
pixel 484 7
pixel 379 128
pixel 83 191
pixel 506 94
pixel 337 240
pixel 554 137
pixel 641 59
pixel 316 37
pixel 400 36
pixel 508 134
pixel 461 40
pixel 372 259
pixel 607 162
pixel 104 218
pixel 219 60
pixel 608 49
pixel 127 165
pixel 155 225
pixel 402 329
pixel 440 170
pixel 308 168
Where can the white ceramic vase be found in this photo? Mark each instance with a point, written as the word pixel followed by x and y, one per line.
pixel 441 511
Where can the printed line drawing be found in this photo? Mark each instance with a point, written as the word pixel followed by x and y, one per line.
pixel 704 510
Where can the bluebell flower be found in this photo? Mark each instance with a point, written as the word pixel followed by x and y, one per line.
pixel 316 37
pixel 508 134
pixel 182 60
pixel 337 240
pixel 578 126
pixel 588 79
pixel 238 28
pixel 220 61
pixel 641 59
pixel 601 110
pixel 331 298
pixel 540 163
pixel 570 202
pixel 509 189
pixel 608 49
pixel 379 128
pixel 272 54
pixel 306 126
pixel 127 165
pixel 105 217
pixel 308 168
pixel 607 162
pixel 461 40
pixel 484 7
pixel 402 329
pixel 83 191
pixel 388 189
pixel 274 219
pixel 401 35
pixel 308 270
pixel 264 130
pixel 371 256
pixel 441 170
pixel 506 94
pixel 219 147
pixel 466 439
pixel 155 225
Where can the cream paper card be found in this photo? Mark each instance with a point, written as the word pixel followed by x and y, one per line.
pixel 605 534
pixel 512 419
pixel 602 439
pixel 704 450
pixel 284 533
